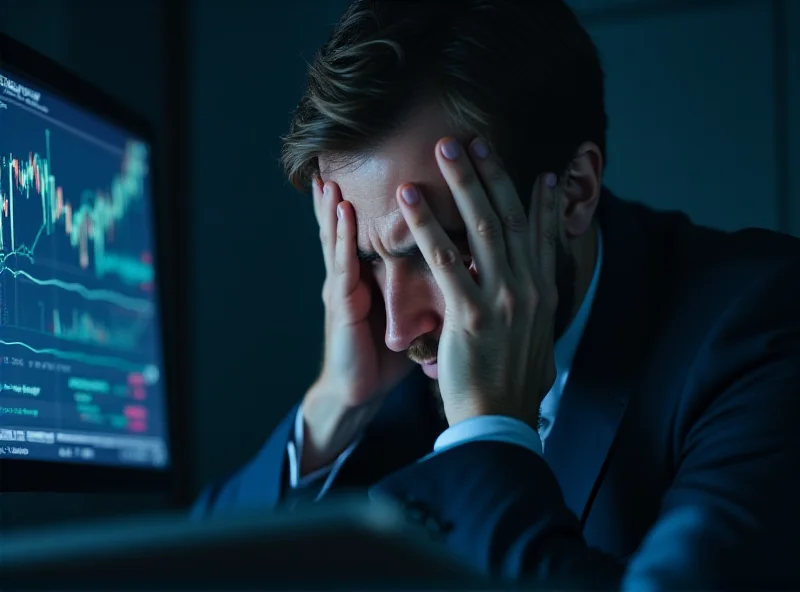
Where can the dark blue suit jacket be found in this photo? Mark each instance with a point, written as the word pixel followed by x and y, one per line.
pixel 674 459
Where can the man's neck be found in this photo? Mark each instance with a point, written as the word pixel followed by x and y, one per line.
pixel 585 252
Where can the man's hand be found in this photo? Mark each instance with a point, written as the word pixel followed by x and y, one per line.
pixel 496 348
pixel 358 369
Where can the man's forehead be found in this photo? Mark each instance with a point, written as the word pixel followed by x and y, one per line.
pixel 371 181
pixel 371 185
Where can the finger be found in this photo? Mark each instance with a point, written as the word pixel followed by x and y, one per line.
pixel 544 226
pixel 326 199
pixel 507 205
pixel 345 267
pixel 484 229
pixel 440 253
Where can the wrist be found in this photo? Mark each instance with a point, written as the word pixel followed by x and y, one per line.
pixel 329 426
pixel 459 413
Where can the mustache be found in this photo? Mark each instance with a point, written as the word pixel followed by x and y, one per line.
pixel 423 349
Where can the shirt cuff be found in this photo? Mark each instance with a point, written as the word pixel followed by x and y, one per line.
pixel 490 428
pixel 294 451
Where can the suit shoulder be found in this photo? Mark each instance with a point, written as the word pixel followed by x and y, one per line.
pixel 713 263
pixel 695 245
pixel 258 484
pixel 750 249
pixel 228 493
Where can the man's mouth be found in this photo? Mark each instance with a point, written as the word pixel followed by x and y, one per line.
pixel 424 351
pixel 430 368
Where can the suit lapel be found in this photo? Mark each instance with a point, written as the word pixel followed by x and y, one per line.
pixel 600 380
pixel 403 431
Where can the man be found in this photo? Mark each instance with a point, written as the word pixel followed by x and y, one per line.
pixel 606 393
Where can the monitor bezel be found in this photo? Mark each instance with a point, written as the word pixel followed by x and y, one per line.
pixel 35 475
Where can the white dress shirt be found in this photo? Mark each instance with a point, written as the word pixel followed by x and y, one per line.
pixel 495 428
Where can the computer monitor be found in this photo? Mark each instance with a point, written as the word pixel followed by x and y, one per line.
pixel 82 387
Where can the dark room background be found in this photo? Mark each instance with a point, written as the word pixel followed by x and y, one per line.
pixel 704 105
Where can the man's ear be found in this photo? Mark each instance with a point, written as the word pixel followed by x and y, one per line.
pixel 580 186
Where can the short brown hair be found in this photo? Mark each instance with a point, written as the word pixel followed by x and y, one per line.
pixel 523 74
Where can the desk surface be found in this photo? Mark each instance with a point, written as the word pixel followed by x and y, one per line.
pixel 346 543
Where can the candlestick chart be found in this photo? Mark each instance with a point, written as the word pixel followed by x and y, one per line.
pixel 79 326
pixel 88 221
pixel 54 248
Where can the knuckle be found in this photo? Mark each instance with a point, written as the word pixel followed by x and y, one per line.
pixel 444 258
pixel 507 299
pixel 323 237
pixel 339 267
pixel 474 316
pixel 529 291
pixel 423 220
pixel 494 175
pixel 549 236
pixel 488 227
pixel 513 306
pixel 534 298
pixel 528 304
pixel 515 220
pixel 544 299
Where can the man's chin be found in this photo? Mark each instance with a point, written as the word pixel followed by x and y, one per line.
pixel 431 370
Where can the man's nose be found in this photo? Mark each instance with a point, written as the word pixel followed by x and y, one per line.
pixel 410 311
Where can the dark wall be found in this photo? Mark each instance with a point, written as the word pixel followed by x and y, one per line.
pixel 257 268
pixel 698 96
pixel 121 51
pixel 704 117
pixel 790 41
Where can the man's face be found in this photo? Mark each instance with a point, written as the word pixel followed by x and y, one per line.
pixel 413 301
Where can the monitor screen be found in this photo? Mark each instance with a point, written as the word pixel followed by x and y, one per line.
pixel 80 343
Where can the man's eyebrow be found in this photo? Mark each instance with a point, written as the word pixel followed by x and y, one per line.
pixel 457 235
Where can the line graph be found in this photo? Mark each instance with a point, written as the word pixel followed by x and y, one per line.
pixel 78 356
pixel 53 226
pixel 127 302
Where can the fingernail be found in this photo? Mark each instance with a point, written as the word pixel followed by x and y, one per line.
pixel 451 150
pixel 480 149
pixel 326 190
pixel 410 195
pixel 339 211
pixel 551 179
